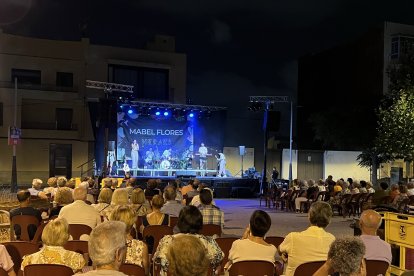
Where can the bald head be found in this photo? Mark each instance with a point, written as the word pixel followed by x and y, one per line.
pixel 79 193
pixel 370 221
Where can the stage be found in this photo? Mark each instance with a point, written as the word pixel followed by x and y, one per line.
pixel 224 187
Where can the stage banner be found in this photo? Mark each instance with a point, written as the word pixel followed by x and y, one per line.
pixel 146 142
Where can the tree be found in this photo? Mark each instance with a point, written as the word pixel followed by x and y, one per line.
pixel 395 129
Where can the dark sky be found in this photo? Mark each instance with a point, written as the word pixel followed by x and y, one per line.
pixel 241 41
pixel 235 48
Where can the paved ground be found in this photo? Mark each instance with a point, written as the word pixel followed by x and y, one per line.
pixel 237 214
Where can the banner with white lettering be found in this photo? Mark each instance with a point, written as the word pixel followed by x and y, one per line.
pixel 147 142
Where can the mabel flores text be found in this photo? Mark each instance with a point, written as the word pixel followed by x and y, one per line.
pixel 156 132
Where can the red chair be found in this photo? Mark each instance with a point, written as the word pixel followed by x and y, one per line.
pixel 375 267
pixel 77 230
pixel 78 246
pixel 38 235
pixel 173 221
pixel 211 230
pixel 252 268
pixel 18 249
pixel 276 241
pixel 47 269
pixel 225 245
pixel 26 223
pixel 309 268
pixel 157 232
pixel 3 272
pixel 132 270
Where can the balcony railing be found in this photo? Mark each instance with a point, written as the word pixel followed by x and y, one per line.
pixel 40 87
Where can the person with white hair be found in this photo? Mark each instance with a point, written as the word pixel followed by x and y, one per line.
pixel 107 250
pixel 79 212
pixel 221 159
pixel 36 189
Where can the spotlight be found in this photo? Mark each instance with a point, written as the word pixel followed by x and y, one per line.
pixel 130 111
pixel 158 113
pixel 191 115
pixel 166 113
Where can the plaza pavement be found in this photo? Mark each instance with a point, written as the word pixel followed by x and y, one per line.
pixel 237 214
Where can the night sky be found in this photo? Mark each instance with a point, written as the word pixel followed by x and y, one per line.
pixel 235 48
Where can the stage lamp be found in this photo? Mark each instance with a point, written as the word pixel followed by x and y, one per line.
pixel 191 115
pixel 158 113
pixel 130 111
pixel 166 113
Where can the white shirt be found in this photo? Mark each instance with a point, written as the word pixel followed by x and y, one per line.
pixel 202 151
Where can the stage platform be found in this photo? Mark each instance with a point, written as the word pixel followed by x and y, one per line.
pixel 224 187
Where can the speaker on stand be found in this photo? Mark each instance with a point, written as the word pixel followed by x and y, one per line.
pixel 242 152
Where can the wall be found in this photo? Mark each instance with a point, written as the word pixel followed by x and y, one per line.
pixel 284 172
pixel 233 159
pixel 343 164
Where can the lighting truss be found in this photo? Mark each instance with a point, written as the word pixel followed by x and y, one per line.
pixel 110 87
pixel 173 106
pixel 269 99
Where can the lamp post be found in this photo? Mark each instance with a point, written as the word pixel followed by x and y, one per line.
pixel 267 101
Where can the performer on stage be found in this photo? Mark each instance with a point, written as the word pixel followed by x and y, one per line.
pixel 134 154
pixel 166 155
pixel 221 165
pixel 149 158
pixel 203 152
pixel 126 168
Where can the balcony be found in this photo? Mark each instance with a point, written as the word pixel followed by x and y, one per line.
pixel 39 87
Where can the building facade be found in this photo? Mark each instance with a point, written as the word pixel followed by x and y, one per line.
pixel 54 106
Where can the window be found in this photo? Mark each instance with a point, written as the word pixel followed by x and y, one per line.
pixel 64 118
pixel 64 79
pixel 26 77
pixel 395 47
pixel 149 83
pixel 1 114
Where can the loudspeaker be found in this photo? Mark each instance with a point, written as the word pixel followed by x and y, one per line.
pixel 242 150
pixel 273 121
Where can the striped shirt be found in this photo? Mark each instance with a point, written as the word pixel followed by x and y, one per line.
pixel 212 215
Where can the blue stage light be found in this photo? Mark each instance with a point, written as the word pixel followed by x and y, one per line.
pixel 157 113
pixel 166 113
pixel 191 115
pixel 130 111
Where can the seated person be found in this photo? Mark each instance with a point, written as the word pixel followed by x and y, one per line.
pixel 211 213
pixel 345 257
pixel 252 245
pixel 36 189
pixel 187 256
pixel 104 200
pixel 154 218
pixel 23 196
pixel 309 245
pixel 63 197
pixel 107 250
pixel 190 222
pixel 6 262
pixel 137 251
pixel 119 197
pixel 394 191
pixel 306 195
pixel 398 202
pixel 151 189
pixel 54 236
pixel 52 189
pixel 139 202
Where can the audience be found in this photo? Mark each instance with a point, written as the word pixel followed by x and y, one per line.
pixel 410 188
pixel 52 189
pixel 156 217
pixel 211 213
pixel 194 191
pixel 306 195
pixel 79 212
pixel 363 189
pixel 119 197
pixel 196 199
pixel 370 188
pixel 23 196
pixel 380 193
pixel 104 200
pixel 345 257
pixel 376 249
pixel 252 245
pixel 151 189
pixel 71 183
pixel 187 257
pixel 6 263
pixel 398 202
pixel 61 181
pixel 171 207
pixel 54 236
pixel 190 222
pixel 139 202
pixel 394 191
pixel 137 251
pixel 299 247
pixel 63 197
pixel 107 250
pixel 36 189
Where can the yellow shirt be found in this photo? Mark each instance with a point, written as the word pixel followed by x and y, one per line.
pixel 307 246
pixel 337 188
pixel 55 255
